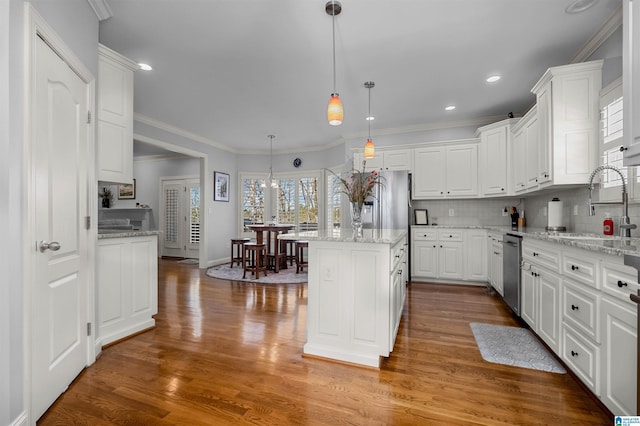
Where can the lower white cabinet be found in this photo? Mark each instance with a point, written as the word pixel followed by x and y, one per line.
pixel 449 254
pixel 127 286
pixel 578 304
pixel 619 355
pixel 540 302
pixel 495 263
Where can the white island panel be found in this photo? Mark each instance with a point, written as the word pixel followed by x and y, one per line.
pixel 352 294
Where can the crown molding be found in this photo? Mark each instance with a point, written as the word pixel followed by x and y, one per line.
pixel 101 9
pixel 181 132
pixel 606 30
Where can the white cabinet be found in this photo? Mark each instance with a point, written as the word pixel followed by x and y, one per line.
pixel 568 119
pixel 495 151
pixel 525 170
pixel 475 248
pixel 437 253
pixel 387 159
pixel 446 172
pixel 127 286
pixel 495 258
pixel 618 322
pixel 631 80
pixel 115 116
pixel 541 291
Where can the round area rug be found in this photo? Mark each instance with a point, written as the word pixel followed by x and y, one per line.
pixel 284 276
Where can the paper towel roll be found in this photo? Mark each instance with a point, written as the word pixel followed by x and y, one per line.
pixel 555 214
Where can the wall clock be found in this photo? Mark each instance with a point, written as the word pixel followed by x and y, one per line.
pixel 297 162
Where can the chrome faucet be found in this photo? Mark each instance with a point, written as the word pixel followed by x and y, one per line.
pixel 625 224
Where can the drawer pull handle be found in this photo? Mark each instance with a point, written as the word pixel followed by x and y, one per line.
pixel 574 268
pixel 621 284
pixel 574 353
pixel 535 254
pixel 574 307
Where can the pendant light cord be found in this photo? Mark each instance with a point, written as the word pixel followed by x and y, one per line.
pixel 333 31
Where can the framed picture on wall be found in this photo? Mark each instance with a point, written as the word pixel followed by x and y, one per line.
pixel 127 191
pixel 220 186
pixel 421 217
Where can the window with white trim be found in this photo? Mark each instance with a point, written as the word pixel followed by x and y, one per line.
pixel 611 141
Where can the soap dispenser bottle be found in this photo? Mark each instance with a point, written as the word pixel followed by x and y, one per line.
pixel 607 225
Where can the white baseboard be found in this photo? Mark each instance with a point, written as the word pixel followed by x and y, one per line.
pixel 21 420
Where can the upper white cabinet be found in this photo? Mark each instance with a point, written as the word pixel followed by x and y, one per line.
pixel 115 116
pixel 631 80
pixel 446 171
pixel 568 122
pixel 495 150
pixel 525 171
pixel 389 159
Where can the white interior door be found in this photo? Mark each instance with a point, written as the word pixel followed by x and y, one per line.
pixel 181 218
pixel 59 293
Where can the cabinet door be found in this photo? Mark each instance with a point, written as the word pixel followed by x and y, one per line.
pixel 424 260
pixel 619 356
pixel 497 274
pixel 374 163
pixel 461 171
pixel 450 260
pixel 546 135
pixel 631 81
pixel 528 296
pixel 494 161
pixel 429 173
pixel 531 153
pixel 519 162
pixel 476 255
pixel 549 309
pixel 115 117
pixel 397 159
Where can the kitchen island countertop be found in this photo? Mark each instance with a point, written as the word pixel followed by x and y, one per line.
pixel 119 233
pixel 382 236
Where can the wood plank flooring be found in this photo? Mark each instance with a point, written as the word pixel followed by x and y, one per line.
pixel 228 353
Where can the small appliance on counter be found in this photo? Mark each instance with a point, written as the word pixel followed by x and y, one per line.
pixel 554 216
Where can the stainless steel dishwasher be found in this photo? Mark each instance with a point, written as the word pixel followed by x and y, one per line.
pixel 511 258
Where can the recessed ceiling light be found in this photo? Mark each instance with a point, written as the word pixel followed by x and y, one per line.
pixel 145 67
pixel 580 6
pixel 450 108
pixel 493 78
pixel 370 118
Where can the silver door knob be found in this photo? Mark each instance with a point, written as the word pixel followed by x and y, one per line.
pixel 45 245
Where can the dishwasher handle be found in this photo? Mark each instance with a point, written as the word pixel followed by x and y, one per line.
pixel 635 298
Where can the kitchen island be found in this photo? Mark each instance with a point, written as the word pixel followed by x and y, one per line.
pixel 356 293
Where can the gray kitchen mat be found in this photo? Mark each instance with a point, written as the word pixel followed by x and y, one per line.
pixel 513 346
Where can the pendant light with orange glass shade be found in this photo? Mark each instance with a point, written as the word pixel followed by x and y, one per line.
pixel 335 111
pixel 369 149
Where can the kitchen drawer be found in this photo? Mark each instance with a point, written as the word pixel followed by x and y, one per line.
pixel 580 308
pixel 451 235
pixel 541 254
pixel 398 254
pixel 425 234
pixel 583 357
pixel 581 267
pixel 496 237
pixel 619 280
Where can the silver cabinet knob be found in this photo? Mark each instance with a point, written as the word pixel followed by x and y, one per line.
pixel 45 245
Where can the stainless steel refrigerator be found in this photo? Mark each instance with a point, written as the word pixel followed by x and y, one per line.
pixel 390 207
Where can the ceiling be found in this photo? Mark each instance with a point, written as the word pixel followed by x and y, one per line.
pixel 234 71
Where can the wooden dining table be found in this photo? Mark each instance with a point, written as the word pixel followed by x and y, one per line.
pixel 271 230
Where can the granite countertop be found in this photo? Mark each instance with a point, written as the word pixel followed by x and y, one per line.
pixel 608 244
pixel 345 235
pixel 119 233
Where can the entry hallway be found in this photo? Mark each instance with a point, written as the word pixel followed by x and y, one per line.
pixel 229 353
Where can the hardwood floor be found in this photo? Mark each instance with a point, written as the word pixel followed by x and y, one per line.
pixel 230 353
